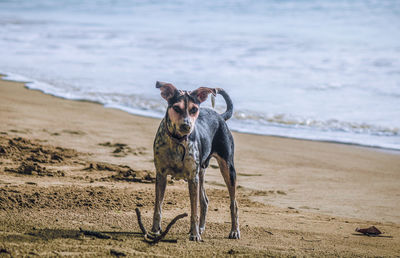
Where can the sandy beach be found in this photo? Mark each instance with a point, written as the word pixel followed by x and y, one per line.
pixel 66 165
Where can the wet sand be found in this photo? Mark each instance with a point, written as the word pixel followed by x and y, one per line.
pixel 66 165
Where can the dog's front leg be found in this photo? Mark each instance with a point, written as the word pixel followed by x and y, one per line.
pixel 203 203
pixel 161 182
pixel 194 204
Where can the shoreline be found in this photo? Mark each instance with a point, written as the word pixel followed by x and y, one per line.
pixel 373 147
pixel 99 162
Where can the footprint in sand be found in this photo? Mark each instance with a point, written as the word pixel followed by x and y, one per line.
pixel 73 132
pixel 24 131
pixel 243 174
pixel 122 149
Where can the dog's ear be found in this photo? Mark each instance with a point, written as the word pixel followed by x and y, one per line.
pixel 167 89
pixel 202 93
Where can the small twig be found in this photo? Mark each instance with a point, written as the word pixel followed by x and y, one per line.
pixel 157 239
pixel 310 240
pixel 121 233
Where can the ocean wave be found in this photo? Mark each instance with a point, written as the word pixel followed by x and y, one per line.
pixel 154 107
pixel 288 120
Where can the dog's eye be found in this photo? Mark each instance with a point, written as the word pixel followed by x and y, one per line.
pixel 193 110
pixel 177 109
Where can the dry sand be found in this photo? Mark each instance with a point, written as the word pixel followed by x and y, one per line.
pixel 66 165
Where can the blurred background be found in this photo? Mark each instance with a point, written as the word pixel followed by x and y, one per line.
pixel 309 69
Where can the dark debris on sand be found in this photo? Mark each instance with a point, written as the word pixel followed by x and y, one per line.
pixel 32 168
pixel 29 157
pixel 122 149
pixel 123 173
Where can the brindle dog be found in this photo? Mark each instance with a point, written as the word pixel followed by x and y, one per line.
pixel 188 137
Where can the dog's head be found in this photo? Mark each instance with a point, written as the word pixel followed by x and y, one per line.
pixel 183 106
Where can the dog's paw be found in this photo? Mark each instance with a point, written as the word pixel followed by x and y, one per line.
pixel 202 229
pixel 153 234
pixel 196 238
pixel 235 234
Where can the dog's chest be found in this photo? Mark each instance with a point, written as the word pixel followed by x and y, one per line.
pixel 180 160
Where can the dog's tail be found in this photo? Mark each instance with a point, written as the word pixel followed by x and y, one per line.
pixel 229 105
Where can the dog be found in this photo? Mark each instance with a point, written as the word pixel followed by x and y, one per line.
pixel 187 138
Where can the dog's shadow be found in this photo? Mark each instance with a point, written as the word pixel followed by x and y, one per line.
pixel 51 234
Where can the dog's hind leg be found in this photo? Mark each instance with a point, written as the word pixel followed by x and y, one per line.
pixel 161 182
pixel 203 202
pixel 229 174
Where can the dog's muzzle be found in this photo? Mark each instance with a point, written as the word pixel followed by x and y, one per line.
pixel 184 128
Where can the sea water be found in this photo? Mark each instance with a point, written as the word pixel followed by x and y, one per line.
pixel 309 69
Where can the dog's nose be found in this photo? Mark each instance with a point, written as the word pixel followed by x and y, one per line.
pixel 185 127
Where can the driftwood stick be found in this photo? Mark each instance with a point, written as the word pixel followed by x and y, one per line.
pixel 139 218
pixel 153 240
pixel 163 234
